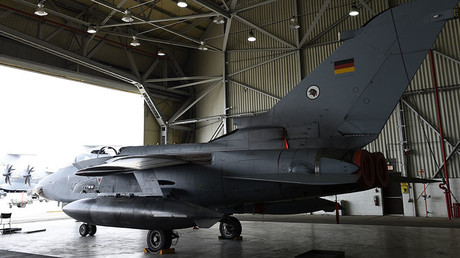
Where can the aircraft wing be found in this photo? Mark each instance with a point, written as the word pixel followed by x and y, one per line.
pixel 134 163
pixel 301 179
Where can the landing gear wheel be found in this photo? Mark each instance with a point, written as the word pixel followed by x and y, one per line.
pixel 158 239
pixel 83 230
pixel 92 230
pixel 230 228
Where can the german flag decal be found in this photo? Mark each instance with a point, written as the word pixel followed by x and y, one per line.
pixel 344 66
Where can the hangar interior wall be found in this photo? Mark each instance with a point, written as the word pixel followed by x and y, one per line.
pixel 213 103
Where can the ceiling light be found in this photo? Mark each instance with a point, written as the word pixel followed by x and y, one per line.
pixel 92 29
pixel 202 46
pixel 182 3
pixel 251 37
pixel 293 23
pixel 353 11
pixel 219 20
pixel 161 52
pixel 41 10
pixel 135 42
pixel 127 16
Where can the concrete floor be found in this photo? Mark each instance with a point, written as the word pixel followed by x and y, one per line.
pixel 263 236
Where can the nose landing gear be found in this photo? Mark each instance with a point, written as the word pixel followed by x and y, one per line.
pixel 230 228
pixel 158 239
pixel 87 229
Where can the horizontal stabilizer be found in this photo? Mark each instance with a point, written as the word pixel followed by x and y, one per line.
pixel 296 206
pixel 301 179
pixel 412 180
pixel 134 163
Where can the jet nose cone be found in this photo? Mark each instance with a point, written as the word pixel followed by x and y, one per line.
pixel 38 189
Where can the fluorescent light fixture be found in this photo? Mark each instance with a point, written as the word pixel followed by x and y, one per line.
pixel 135 42
pixel 293 23
pixel 127 16
pixel 41 10
pixel 251 37
pixel 161 52
pixel 182 3
pixel 202 46
pixel 219 20
pixel 92 29
pixel 353 11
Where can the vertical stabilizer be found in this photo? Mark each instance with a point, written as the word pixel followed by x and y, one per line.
pixel 347 99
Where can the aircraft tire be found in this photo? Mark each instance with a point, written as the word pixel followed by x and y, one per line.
pixel 92 230
pixel 83 230
pixel 230 228
pixel 159 239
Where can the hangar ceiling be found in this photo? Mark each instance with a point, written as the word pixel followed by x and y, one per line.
pixel 93 40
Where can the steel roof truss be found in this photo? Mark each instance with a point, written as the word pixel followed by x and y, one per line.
pixel 258 28
pixel 213 7
pixel 315 21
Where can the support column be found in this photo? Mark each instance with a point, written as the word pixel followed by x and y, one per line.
pixel 404 151
pixel 446 185
pixel 164 135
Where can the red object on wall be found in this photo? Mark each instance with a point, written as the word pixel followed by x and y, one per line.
pixel 456 210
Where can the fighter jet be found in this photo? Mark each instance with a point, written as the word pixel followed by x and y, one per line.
pixel 307 146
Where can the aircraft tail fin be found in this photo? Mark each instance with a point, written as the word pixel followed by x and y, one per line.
pixel 347 99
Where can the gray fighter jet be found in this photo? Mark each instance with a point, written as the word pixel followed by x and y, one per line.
pixel 281 162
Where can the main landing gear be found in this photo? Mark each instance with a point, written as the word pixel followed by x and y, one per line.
pixel 87 229
pixel 158 239
pixel 230 228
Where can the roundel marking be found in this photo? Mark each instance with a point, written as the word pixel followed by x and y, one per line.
pixel 313 92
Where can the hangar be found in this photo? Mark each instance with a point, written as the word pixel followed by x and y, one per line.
pixel 200 66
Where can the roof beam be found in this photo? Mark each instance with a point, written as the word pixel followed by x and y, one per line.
pixel 178 18
pixel 213 7
pixel 150 69
pixel 218 117
pixel 202 95
pixel 315 21
pixel 144 21
pixel 185 78
pixel 132 63
pixel 228 26
pixel 161 41
pixel 194 83
pixel 259 64
pixel 254 89
pixel 254 6
pixel 425 120
pixel 309 43
pixel 191 26
pixel 179 111
pixel 367 7
pixel 250 24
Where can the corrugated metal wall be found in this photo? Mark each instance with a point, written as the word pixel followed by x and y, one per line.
pixel 280 75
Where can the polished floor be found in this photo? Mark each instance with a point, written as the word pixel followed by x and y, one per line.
pixel 263 236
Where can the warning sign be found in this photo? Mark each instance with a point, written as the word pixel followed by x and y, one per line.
pixel 404 188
